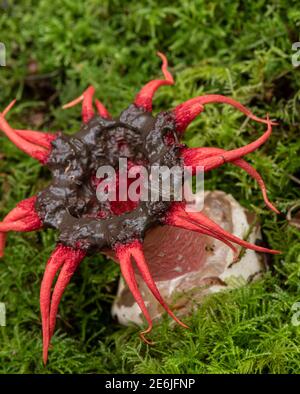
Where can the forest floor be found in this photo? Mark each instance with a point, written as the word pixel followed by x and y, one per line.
pixel 54 51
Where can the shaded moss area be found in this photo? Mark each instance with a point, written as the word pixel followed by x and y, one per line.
pixel 54 51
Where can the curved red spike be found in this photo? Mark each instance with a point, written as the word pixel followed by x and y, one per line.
pixel 186 112
pixel 123 253
pixel 73 102
pixel 144 98
pixel 87 104
pixel 23 208
pixel 37 137
pixel 196 156
pixel 86 98
pixel 53 265
pixel 199 219
pixel 189 225
pixel 9 107
pixel 137 253
pixel 29 223
pixel 22 218
pixel 32 150
pixel 229 156
pixel 73 257
pixel 179 221
pixel 102 111
pixel 255 175
pixel 202 220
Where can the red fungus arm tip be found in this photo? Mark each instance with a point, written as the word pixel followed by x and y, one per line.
pixel 39 140
pixel 200 157
pixel 22 218
pixel 102 111
pixel 144 98
pixel 35 151
pixel 138 254
pixel 38 137
pixel 87 110
pixel 53 265
pixel 123 253
pixel 186 112
pixel 134 250
pixel 68 259
pixel 178 217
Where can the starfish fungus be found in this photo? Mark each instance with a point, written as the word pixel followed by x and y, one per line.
pixel 86 225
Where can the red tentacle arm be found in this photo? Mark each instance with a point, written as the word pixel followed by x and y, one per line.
pixel 182 223
pixel 178 217
pixel 87 105
pixel 102 111
pixel 35 148
pixel 68 259
pixel 24 213
pixel 9 107
pixel 23 218
pixel 53 265
pixel 124 253
pixel 186 112
pixel 228 156
pixel 179 221
pixel 144 98
pixel 138 255
pixel 198 156
pixel 72 261
pixel 29 223
pixel 38 137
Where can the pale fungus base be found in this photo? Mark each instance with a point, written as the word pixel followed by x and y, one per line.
pixel 188 266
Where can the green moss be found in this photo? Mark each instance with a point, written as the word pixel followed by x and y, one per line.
pixel 231 47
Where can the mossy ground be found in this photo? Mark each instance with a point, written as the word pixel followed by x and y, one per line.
pixel 241 49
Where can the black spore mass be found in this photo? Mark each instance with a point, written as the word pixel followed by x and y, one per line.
pixel 70 205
